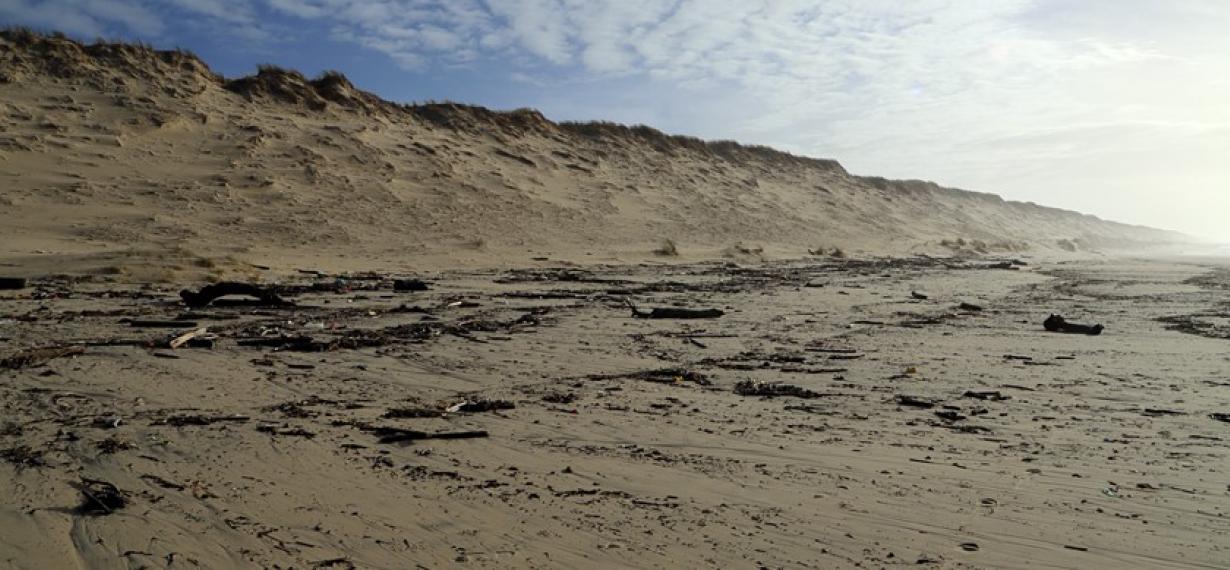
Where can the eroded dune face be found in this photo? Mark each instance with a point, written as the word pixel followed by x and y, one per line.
pixel 114 147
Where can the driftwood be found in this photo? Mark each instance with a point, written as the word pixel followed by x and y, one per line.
pixel 397 435
pixel 395 413
pixel 474 406
pixel 410 285
pixel 829 350
pixel 773 390
pixel 295 343
pixel 914 402
pixel 160 324
pixel 36 356
pixel 970 307
pixel 99 497
pixel 1056 323
pixel 844 356
pixel 12 283
pixel 198 420
pixel 994 395
pixel 286 430
pixel 182 339
pixel 658 375
pixel 675 313
pixel 209 293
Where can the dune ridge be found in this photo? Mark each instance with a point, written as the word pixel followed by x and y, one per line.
pixel 120 147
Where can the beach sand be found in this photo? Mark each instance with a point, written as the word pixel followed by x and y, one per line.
pixel 1057 451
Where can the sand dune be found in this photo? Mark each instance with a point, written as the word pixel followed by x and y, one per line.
pixel 110 149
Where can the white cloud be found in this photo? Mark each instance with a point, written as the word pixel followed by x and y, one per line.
pixel 85 18
pixel 304 8
pixel 1046 100
pixel 46 15
pixel 146 19
pixel 413 33
pixel 129 14
pixel 230 11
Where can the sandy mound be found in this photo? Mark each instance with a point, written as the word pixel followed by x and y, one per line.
pixel 117 147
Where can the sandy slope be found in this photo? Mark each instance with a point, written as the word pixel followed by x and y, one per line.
pixel 117 148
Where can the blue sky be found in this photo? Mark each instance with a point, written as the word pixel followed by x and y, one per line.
pixel 1119 108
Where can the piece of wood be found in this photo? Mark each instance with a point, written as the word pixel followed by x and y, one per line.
pixel 1056 323
pixel 846 356
pixel 914 401
pixel 12 283
pixel 773 390
pixel 993 395
pixel 410 285
pixel 209 293
pixel 198 419
pixel 397 435
pixel 831 350
pixel 160 324
pixel 180 340
pixel 36 356
pixel 676 313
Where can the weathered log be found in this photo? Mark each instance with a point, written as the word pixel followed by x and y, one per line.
pixel 773 390
pixel 99 497
pixel 993 395
pixel 410 285
pixel 829 350
pixel 397 435
pixel 182 339
pixel 675 313
pixel 198 419
pixel 160 324
pixel 1056 323
pixel 209 293
pixel 481 405
pixel 36 356
pixel 914 401
pixel 298 343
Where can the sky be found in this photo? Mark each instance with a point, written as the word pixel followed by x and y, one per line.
pixel 1118 108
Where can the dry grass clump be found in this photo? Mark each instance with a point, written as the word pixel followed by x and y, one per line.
pixel 962 245
pixel 741 249
pixel 834 252
pixel 668 248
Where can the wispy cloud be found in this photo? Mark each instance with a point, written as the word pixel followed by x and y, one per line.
pixel 92 18
pixel 1023 97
